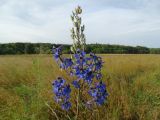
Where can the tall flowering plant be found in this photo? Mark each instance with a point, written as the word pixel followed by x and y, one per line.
pixel 85 68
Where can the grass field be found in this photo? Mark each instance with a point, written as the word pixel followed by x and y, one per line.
pixel 133 83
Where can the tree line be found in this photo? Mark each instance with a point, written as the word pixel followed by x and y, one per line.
pixel 46 48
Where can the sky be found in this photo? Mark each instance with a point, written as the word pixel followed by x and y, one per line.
pixel 125 22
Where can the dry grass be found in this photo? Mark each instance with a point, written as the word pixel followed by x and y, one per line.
pixel 133 84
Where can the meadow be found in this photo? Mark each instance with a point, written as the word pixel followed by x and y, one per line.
pixel 133 84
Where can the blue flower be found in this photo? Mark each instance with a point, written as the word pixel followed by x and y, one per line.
pixel 62 93
pixel 79 55
pixel 67 62
pixel 99 93
pixel 66 90
pixel 93 92
pixel 100 100
pixel 88 77
pixel 59 82
pixel 57 52
pixel 98 76
pixel 66 106
pixel 76 84
pixel 98 63
pixel 78 71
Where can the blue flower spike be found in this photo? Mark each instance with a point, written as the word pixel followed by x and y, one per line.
pixel 85 69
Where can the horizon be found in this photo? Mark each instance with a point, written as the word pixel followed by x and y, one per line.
pixel 86 44
pixel 120 22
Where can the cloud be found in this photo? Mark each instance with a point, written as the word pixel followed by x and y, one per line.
pixel 113 25
pixel 131 22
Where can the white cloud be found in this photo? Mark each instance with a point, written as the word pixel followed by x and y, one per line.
pixel 132 22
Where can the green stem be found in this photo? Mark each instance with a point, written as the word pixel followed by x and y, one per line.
pixel 77 112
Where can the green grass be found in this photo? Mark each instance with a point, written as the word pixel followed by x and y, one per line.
pixel 133 83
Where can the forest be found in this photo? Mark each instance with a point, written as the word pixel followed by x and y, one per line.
pixel 46 48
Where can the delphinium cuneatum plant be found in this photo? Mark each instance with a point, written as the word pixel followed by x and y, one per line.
pixel 84 68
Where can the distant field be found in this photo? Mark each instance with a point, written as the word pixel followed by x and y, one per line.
pixel 133 83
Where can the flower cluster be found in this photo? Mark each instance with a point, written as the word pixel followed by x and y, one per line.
pixel 62 93
pixel 87 69
pixel 99 93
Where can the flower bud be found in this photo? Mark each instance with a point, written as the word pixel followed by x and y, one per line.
pixel 72 18
pixel 79 10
